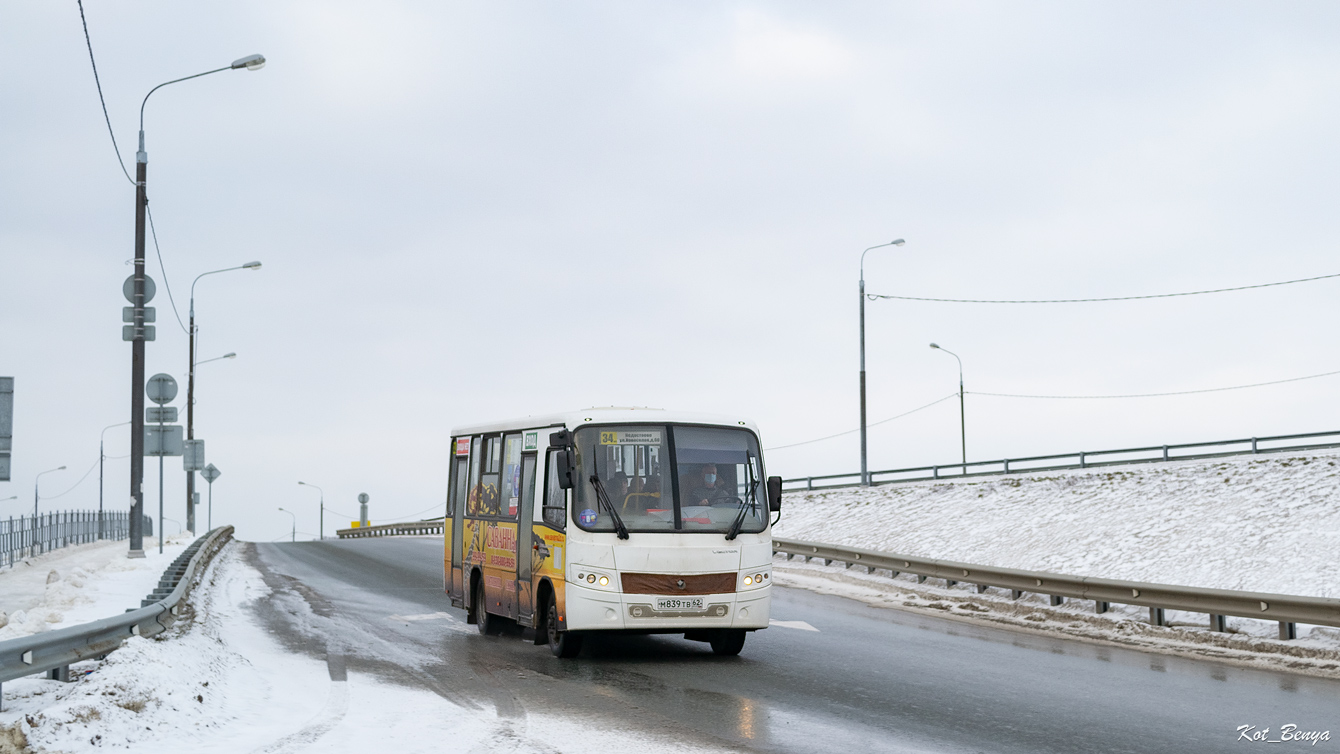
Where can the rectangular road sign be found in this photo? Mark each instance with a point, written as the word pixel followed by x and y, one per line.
pixel 128 332
pixel 193 455
pixel 6 424
pixel 164 414
pixel 128 314
pixel 163 440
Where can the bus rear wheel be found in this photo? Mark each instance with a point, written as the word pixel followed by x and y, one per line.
pixel 486 623
pixel 728 642
pixel 563 644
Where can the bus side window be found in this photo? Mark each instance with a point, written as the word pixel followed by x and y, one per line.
pixel 460 482
pixel 555 497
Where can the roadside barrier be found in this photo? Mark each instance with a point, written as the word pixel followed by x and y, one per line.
pixel 54 651
pixel 389 530
pixel 1217 603
pixel 1082 460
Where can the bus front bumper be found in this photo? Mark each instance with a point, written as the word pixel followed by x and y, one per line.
pixel 596 610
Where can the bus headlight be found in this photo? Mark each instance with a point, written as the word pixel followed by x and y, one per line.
pixel 594 579
pixel 754 579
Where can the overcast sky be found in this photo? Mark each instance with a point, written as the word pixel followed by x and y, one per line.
pixel 471 211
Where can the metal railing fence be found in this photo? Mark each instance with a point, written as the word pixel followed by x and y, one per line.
pixel 28 535
pixel 1080 460
pixel 433 526
pixel 1288 610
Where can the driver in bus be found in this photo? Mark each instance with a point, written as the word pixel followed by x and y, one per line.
pixel 704 489
pixel 617 487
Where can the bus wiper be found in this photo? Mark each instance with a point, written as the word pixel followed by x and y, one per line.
pixel 604 499
pixel 745 506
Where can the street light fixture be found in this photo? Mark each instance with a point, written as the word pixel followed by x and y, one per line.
pixel 865 469
pixel 323 507
pixel 251 63
pixel 102 458
pixel 217 358
pixel 962 423
pixel 294 536
pixel 35 481
pixel 190 375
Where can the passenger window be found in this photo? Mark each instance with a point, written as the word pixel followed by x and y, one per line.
pixel 485 475
pixel 555 497
pixel 511 475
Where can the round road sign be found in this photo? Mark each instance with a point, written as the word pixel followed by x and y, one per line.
pixel 128 288
pixel 161 388
pixel 362 497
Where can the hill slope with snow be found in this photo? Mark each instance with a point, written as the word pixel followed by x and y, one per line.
pixel 1260 523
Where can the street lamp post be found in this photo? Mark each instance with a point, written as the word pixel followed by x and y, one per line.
pixel 251 63
pixel 102 458
pixel 865 468
pixel 323 508
pixel 294 536
pixel 190 387
pixel 962 422
pixel 35 481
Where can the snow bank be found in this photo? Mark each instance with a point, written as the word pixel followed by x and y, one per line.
pixel 79 584
pixel 218 682
pixel 1258 523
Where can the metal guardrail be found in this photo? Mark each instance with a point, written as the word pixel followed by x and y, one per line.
pixel 54 651
pixel 1217 603
pixel 1082 460
pixel 34 535
pixel 433 526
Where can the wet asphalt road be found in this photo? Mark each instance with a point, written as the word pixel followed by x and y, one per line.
pixel 869 679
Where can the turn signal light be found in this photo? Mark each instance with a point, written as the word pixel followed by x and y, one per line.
pixel 604 580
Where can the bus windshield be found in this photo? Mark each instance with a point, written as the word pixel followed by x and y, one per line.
pixel 716 471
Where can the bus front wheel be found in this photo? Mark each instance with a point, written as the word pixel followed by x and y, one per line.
pixel 563 644
pixel 728 642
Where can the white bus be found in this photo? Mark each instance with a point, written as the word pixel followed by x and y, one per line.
pixel 612 520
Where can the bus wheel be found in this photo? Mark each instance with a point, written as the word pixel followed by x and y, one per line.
pixel 728 642
pixel 486 623
pixel 565 644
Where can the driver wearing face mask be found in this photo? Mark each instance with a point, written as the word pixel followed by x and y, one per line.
pixel 705 489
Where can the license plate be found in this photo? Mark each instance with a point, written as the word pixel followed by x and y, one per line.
pixel 679 603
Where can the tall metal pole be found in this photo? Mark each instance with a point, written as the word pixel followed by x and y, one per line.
pixel 137 365
pixel 250 63
pixel 962 421
pixel 190 420
pixel 865 468
pixel 210 515
pixel 162 447
pixel 323 508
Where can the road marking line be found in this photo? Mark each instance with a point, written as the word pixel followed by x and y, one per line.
pixel 425 616
pixel 799 625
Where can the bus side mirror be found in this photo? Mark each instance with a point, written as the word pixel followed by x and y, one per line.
pixel 563 460
pixel 774 494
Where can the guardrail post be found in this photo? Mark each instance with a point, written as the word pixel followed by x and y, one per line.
pixel 61 674
pixel 935 472
pixel 981 588
pixel 1157 617
pixel 1015 594
pixel 809 483
pixel 1081 460
pixel 949 583
pixel 1165 452
pixel 1056 600
pixel 1288 631
pixel 1253 445
pixel 1219 623
pixel 1101 607
pixel 1007 465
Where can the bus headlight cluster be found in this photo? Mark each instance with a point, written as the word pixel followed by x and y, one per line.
pixel 756 579
pixel 593 579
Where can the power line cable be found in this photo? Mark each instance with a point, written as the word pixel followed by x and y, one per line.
pixel 425 510
pixel 1157 395
pixel 876 424
pixel 154 232
pixel 98 82
pixel 76 484
pixel 873 296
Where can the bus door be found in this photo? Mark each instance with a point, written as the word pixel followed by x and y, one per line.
pixel 526 549
pixel 460 485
